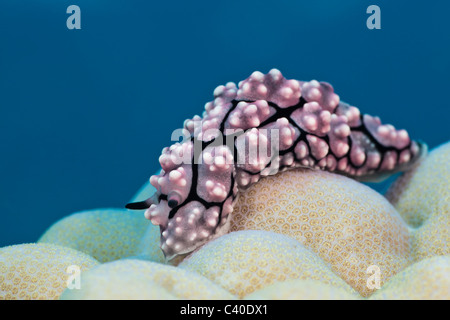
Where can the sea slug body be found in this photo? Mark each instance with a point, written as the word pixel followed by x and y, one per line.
pixel 265 125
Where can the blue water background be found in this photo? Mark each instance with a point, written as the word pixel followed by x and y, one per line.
pixel 85 113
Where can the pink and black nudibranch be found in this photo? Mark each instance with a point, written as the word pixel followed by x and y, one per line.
pixel 264 125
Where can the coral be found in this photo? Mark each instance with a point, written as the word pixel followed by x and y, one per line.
pixel 264 125
pixel 303 290
pixel 346 223
pixel 428 279
pixel 105 234
pixel 38 271
pixel 138 279
pixel 148 248
pixel 422 197
pixel 245 261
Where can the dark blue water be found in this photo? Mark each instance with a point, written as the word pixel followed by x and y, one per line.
pixel 85 113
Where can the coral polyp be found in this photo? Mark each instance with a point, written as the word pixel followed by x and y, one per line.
pixel 264 125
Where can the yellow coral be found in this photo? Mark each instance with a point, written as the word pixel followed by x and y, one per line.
pixel 303 290
pixel 422 197
pixel 346 223
pixel 427 279
pixel 107 234
pixel 139 279
pixel 245 261
pixel 39 271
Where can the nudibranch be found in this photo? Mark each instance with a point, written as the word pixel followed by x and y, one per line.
pixel 265 125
